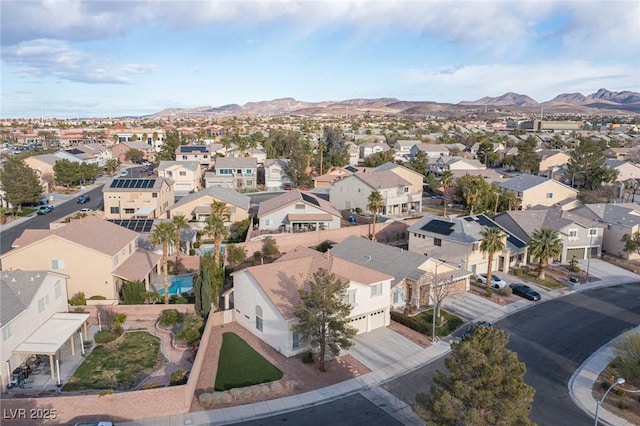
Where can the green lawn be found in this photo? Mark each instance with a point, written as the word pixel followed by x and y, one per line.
pixel 549 282
pixel 240 365
pixel 117 365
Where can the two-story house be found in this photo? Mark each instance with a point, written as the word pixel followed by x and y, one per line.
pixel 369 148
pixel 186 175
pixel 275 175
pixel 120 150
pixel 197 206
pixel 97 256
pixel 297 211
pixel 538 190
pixel 232 172
pixel 551 159
pixel 138 198
pixel 265 296
pixel 202 154
pixel 457 241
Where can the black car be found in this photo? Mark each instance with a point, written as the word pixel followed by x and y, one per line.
pixel 469 331
pixel 83 199
pixel 525 291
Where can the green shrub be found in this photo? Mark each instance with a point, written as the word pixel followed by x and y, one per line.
pixel 78 299
pixel 191 329
pixel 627 351
pixel 257 255
pixel 176 299
pixel 358 210
pixel 170 317
pixel 97 297
pixel 618 392
pixel 178 377
pixel 192 252
pixel 134 292
pixel 518 272
pixel 605 384
pixel 307 357
pixel 488 292
pixel 196 245
pixel 104 336
pixel 78 309
pixel 623 404
pixel 149 385
pixel 118 322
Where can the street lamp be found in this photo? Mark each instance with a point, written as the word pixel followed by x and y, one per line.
pixel 589 253
pixel 435 305
pixel 619 381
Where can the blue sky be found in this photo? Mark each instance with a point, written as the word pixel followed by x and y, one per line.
pixel 87 58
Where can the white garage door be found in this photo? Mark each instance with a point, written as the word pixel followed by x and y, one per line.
pixel 359 323
pixel 376 319
pixel 577 252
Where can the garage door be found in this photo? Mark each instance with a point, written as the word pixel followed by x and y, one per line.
pixel 577 252
pixel 359 323
pixel 376 319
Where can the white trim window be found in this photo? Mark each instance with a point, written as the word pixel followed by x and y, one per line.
pixel 350 298
pixel 573 233
pixel 6 332
pixel 593 232
pixel 259 322
pixel 296 340
pixel 57 264
pixel 376 289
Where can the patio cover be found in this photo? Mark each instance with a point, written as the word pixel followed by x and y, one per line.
pixel 145 211
pixel 138 265
pixel 309 217
pixel 51 335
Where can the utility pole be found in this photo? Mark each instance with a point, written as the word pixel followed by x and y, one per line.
pixel 435 304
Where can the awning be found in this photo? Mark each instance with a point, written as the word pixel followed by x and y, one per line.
pixel 145 211
pixel 138 265
pixel 309 217
pixel 51 335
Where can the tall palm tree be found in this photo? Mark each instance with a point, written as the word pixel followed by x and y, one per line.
pixel 446 180
pixel 220 210
pixel 164 233
pixel 214 227
pixel 179 222
pixel 374 205
pixel 544 244
pixel 111 165
pixel 493 241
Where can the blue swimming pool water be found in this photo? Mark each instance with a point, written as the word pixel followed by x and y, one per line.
pixel 179 284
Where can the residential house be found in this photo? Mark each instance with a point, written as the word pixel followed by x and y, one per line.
pixel 266 296
pixel 455 163
pixel 97 256
pixel 186 175
pixel 326 180
pixel 623 154
pixel 403 147
pixel 275 174
pixel 43 166
pixel 34 319
pixel 538 190
pixel 354 153
pixel 550 159
pixel 432 150
pixel 140 198
pixel 232 172
pixel 457 241
pixel 197 206
pixel 579 236
pixel 619 220
pixel 369 148
pixel 297 211
pixel 413 273
pixel 626 169
pixel 202 154
pixel 120 150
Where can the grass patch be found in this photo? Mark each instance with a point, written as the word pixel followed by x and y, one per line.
pixel 549 282
pixel 118 365
pixel 423 323
pixel 240 365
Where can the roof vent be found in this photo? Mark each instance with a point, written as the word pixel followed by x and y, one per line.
pixel 13 280
pixel 31 278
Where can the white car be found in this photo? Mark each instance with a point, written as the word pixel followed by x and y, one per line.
pixel 496 282
pixel 85 210
pixel 124 173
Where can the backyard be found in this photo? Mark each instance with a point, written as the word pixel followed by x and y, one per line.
pixel 119 365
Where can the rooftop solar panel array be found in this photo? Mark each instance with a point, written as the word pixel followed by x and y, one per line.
pixel 438 227
pixel 310 199
pixel 188 149
pixel 132 183
pixel 136 225
pixel 485 221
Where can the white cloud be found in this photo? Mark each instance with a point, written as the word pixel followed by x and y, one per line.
pixel 195 69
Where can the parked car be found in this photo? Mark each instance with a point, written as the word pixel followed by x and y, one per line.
pixel 83 199
pixel 144 170
pixel 44 209
pixel 124 173
pixel 288 186
pixel 85 210
pixel 525 291
pixel 496 282
pixel 471 329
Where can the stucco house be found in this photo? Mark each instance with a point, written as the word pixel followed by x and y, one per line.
pixel 202 154
pixel 186 175
pixel 97 256
pixel 275 175
pixel 34 319
pixel 232 172
pixel 550 159
pixel 369 148
pixel 457 241
pixel 265 296
pixel 120 150
pixel 137 198
pixel 538 190
pixel 455 164
pixel 197 206
pixel 297 211
pixel 579 236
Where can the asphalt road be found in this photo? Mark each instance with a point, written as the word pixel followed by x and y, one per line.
pixel 42 222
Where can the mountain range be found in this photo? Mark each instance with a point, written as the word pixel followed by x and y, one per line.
pixel 601 102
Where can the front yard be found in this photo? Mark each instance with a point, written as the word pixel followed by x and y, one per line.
pixel 423 322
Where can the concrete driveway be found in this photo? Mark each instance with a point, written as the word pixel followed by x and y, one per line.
pixel 608 272
pixel 381 347
pixel 469 306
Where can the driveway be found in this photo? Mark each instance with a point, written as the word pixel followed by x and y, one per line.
pixel 469 306
pixel 381 347
pixel 608 272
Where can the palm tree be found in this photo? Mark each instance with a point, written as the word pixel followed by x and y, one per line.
pixel 374 205
pixel 179 222
pixel 220 210
pixel 164 233
pixel 544 244
pixel 493 241
pixel 214 227
pixel 446 180
pixel 111 165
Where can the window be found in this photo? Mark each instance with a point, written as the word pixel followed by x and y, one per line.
pixel 57 264
pixel 46 299
pixel 349 297
pixel 398 295
pixel 183 173
pixel 267 222
pixel 376 290
pixel 41 304
pixel 129 211
pixel 169 173
pixel 130 248
pixel 297 340
pixel 437 242
pixel 154 195
pixel 115 210
pixel 58 289
pixel 226 171
pixel 406 189
pixel 573 233
pixel 299 206
pixel 239 171
pixel 593 232
pixel 6 332
pixel 248 171
pixel 549 194
pixel 259 318
pixel 248 182
pixel 475 247
pixel 115 260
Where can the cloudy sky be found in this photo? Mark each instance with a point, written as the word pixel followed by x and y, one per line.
pixel 89 58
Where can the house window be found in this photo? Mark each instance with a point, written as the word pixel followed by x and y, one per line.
pixel 573 233
pixel 169 173
pixel 437 242
pixel 154 195
pixel 248 182
pixel 58 289
pixel 248 171
pixel 267 222
pixel 239 171
pixel 259 318
pixel 184 157
pixel 406 189
pixel 549 194
pixel 129 211
pixel 41 305
pixel 475 247
pixel 115 260
pixel 398 295
pixel 593 232
pixel 57 264
pixel 226 171
pixel 297 340
pixel 376 289
pixel 115 210
pixel 183 173
pixel 349 298
pixel 299 206
pixel 6 332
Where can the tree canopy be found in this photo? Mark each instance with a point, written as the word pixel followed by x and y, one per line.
pixel 70 172
pixel 587 165
pixel 172 140
pixel 19 182
pixel 544 244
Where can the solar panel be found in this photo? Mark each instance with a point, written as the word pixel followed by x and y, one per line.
pixel 133 183
pixel 136 225
pixel 310 199
pixel 188 149
pixel 438 227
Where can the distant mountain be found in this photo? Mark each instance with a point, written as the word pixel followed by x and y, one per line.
pixel 603 101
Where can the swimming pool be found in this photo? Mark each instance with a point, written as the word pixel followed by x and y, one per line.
pixel 179 284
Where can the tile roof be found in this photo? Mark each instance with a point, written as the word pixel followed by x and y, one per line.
pixel 295 196
pixel 189 165
pixel 624 214
pixel 382 179
pixel 525 182
pixel 227 195
pixel 17 289
pixel 235 162
pixel 138 265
